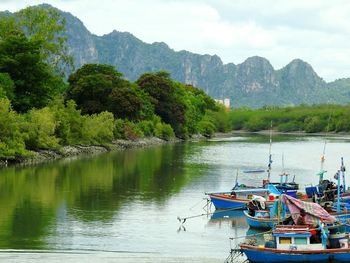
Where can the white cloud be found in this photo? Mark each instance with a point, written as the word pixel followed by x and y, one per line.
pixel 316 31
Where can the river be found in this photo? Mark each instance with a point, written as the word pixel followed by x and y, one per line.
pixel 123 206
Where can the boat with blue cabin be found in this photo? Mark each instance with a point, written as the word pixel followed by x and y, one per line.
pixel 296 244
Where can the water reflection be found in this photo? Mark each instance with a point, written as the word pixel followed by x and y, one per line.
pixel 90 189
pixel 233 218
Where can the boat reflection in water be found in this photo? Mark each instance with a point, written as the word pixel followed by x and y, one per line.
pixel 235 218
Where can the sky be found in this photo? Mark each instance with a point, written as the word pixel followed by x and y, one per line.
pixel 316 31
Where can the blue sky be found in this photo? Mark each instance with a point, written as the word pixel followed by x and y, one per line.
pixel 316 31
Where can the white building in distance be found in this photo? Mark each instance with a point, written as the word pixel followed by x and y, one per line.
pixel 225 102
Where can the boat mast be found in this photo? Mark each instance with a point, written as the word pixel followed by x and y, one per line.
pixel 270 156
pixel 322 171
pixel 338 191
pixel 342 169
pixel 338 186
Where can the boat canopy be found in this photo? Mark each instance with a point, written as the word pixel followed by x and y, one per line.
pixel 314 213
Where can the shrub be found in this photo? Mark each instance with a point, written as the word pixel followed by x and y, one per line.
pixel 119 129
pixel 69 121
pixel 290 126
pixel 132 131
pixel 314 124
pixel 98 128
pixel 146 127
pixel 255 124
pixel 11 138
pixel 40 128
pixel 164 131
pixel 206 128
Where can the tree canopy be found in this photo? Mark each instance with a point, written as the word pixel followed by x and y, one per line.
pixel 31 51
pixel 97 88
pixel 34 84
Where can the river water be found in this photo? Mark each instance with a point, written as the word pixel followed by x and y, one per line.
pixel 123 206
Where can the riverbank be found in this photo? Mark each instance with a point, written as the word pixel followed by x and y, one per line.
pixel 69 151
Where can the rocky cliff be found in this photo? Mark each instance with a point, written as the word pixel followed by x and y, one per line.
pixel 253 83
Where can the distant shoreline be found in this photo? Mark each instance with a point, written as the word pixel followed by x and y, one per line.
pixel 298 133
pixel 46 155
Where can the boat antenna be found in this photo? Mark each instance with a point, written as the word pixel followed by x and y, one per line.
pixel 323 158
pixel 337 176
pixel 284 174
pixel 342 169
pixel 270 156
pixel 236 183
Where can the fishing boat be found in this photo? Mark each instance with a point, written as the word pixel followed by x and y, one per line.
pixel 316 236
pixel 237 199
pixel 261 219
pixel 295 244
pixel 267 218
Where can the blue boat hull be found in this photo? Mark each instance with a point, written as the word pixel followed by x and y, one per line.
pixel 259 223
pixel 345 198
pixel 265 255
pixel 226 203
pixel 344 219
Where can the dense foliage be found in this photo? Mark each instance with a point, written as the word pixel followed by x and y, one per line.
pixel 34 83
pixel 39 110
pixel 318 118
pixel 97 88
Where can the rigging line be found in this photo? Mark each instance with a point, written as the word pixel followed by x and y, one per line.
pixel 182 220
pixel 324 147
pixel 270 157
pixel 252 235
pixel 197 204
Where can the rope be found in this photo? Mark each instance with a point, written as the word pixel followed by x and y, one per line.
pixel 197 204
pixel 183 219
pixel 257 234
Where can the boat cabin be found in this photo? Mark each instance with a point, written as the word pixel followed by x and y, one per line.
pixel 295 238
pixel 250 193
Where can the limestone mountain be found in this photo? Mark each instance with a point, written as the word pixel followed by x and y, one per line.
pixel 253 83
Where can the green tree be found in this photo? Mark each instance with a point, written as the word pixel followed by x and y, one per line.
pixel 7 86
pixel 44 24
pixel 69 121
pixel 11 137
pixel 96 88
pixel 206 128
pixel 125 102
pixel 167 99
pixel 34 82
pixel 164 131
pixel 91 85
pixel 197 105
pixel 315 124
pixel 98 128
pixel 40 128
